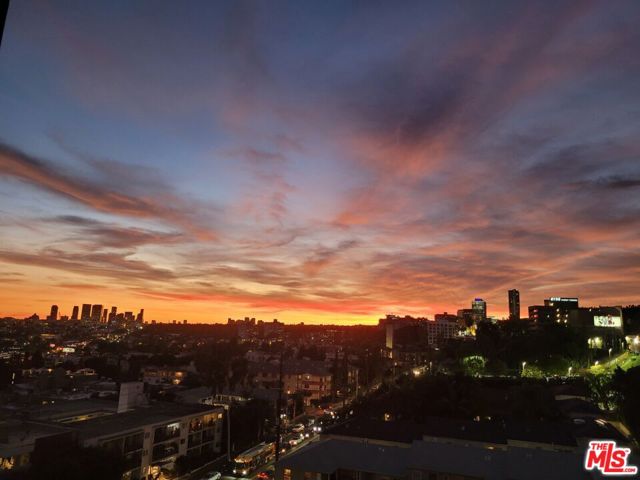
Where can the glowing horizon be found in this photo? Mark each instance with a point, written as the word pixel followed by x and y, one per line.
pixel 324 163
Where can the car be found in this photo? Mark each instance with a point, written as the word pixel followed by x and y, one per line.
pixel 296 439
pixel 212 476
pixel 298 428
pixel 264 476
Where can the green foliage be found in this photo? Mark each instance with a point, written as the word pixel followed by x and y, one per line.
pixel 625 361
pixel 601 391
pixel 553 348
pixel 474 365
pixel 626 388
pixel 533 371
pixel 555 365
pixel 460 396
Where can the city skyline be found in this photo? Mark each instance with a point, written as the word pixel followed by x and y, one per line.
pixel 307 163
pixel 109 314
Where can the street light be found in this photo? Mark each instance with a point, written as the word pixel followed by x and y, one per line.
pixel 610 350
pixel 569 373
pixel 524 364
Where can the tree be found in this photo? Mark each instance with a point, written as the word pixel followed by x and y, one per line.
pixel 247 422
pixel 601 392
pixel 626 386
pixel 474 365
pixel 532 371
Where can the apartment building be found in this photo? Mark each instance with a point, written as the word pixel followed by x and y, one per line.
pixel 311 378
pixel 149 437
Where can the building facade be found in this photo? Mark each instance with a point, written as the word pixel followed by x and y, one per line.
pixel 514 304
pixel 149 438
pixel 562 306
pixel 479 308
pixel 86 312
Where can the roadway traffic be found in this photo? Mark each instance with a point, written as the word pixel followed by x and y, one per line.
pixel 294 438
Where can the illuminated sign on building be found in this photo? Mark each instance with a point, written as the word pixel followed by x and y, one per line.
pixel 607 321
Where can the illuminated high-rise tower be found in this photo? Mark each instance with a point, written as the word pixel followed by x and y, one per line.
pixel 479 307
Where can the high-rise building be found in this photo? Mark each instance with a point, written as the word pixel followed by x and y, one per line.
pixel 96 312
pixel 104 315
pixel 514 304
pixel 112 315
pixel 128 317
pixel 74 315
pixel 563 306
pixel 140 317
pixel 86 312
pixel 54 313
pixel 479 307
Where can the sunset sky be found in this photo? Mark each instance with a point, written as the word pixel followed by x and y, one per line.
pixel 318 161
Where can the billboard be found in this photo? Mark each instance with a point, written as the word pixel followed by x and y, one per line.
pixel 607 321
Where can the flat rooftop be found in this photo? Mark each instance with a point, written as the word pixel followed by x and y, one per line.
pixel 18 436
pixel 156 413
pixel 56 409
pixel 496 432
pixel 509 463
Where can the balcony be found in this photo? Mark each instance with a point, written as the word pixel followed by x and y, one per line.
pixel 164 450
pixel 167 432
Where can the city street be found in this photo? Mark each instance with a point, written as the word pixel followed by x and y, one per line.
pixel 200 474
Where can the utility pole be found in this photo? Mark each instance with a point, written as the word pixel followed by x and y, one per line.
pixel 357 382
pixel 228 432
pixel 279 410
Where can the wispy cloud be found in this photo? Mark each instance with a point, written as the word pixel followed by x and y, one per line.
pixel 161 204
pixel 370 160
